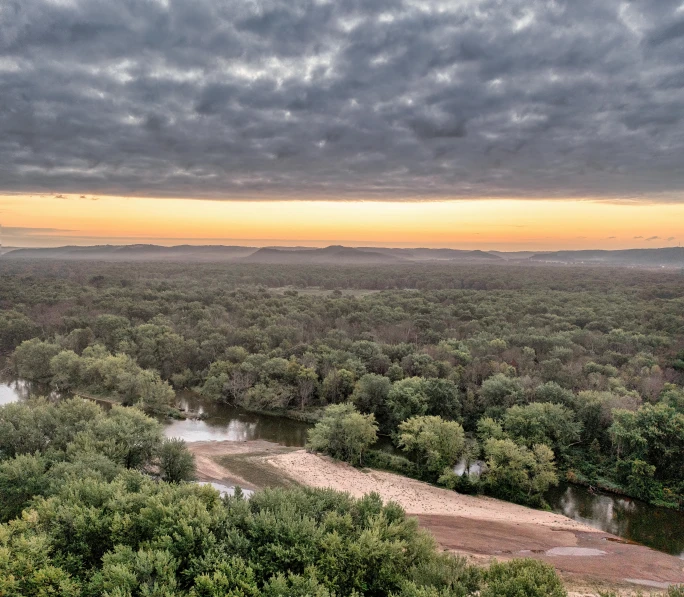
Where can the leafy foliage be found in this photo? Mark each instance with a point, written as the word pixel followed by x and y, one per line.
pixel 44 446
pixel 515 346
pixel 344 433
pixel 435 444
pixel 132 536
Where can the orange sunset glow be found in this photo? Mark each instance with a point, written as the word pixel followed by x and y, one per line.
pixel 504 224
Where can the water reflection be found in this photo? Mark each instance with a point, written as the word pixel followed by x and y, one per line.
pixel 222 422
pixel 14 390
pixel 225 490
pixel 660 528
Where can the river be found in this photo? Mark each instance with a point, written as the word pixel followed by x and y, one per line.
pixel 659 528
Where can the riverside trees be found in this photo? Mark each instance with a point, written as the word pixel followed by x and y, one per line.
pixel 45 445
pixel 95 502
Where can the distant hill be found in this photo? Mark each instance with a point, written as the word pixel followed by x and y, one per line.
pixel 423 254
pixel 665 257
pixel 341 255
pixel 516 255
pixel 335 254
pixel 135 253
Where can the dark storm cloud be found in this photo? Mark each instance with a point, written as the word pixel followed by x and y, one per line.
pixel 301 98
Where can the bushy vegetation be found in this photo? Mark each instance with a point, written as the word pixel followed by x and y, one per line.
pixel 131 536
pixel 88 509
pixel 46 446
pixel 554 372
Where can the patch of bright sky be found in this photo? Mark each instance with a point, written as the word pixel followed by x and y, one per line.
pixel 505 224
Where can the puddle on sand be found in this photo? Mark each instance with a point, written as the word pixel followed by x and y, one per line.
pixel 574 551
pixel 649 583
pixel 225 490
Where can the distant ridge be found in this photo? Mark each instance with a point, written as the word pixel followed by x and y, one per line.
pixel 664 257
pixel 424 254
pixel 135 253
pixel 334 254
pixel 670 257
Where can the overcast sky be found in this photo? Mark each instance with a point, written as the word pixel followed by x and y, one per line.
pixel 347 98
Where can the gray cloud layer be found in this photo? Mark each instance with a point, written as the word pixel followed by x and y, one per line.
pixel 352 98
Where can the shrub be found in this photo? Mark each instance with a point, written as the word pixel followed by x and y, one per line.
pixel 522 578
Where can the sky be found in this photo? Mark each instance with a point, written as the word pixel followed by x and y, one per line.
pixel 517 125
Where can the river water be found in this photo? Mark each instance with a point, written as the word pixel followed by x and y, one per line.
pixel 659 528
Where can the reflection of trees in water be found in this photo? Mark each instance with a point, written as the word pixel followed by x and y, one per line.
pixel 14 390
pixel 225 422
pixel 656 527
pixel 607 513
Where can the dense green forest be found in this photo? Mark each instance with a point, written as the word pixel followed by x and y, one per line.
pixel 542 373
pixel 106 512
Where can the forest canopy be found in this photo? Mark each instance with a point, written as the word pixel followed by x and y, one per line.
pixel 558 373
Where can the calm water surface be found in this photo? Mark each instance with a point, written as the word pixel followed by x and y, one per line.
pixel 658 528
pixel 222 422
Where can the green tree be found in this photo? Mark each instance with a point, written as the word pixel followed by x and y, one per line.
pixel 552 392
pixel 21 478
pixel 640 480
pixel 500 391
pixel 65 369
pixel 32 359
pixel 127 436
pixel 542 423
pixel 517 473
pixel 654 434
pixel 518 578
pixel 305 380
pixel 337 386
pixel 435 444
pixel 155 395
pixel 444 398
pixel 15 327
pixel 406 398
pixel 176 462
pixel 344 433
pixel 488 428
pixel 370 395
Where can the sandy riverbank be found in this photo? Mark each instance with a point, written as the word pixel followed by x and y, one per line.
pixel 478 527
pixel 414 496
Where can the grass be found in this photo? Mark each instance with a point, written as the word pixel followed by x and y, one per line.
pixel 255 469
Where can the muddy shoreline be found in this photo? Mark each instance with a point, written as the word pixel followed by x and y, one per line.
pixel 479 528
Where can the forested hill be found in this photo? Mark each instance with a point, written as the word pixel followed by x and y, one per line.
pixel 666 257
pixel 329 255
pixel 135 253
pixel 341 255
pixel 335 254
